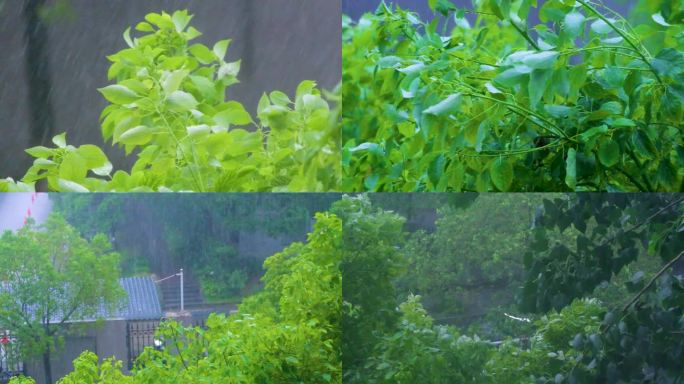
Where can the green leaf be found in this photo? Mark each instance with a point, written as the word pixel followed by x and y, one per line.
pixel 220 48
pixel 482 130
pixel 95 159
pixel 181 19
pixel 492 89
pixel 593 132
pixel 436 169
pixel 118 94
pixel 71 186
pixel 41 152
pixel 502 174
pixel 574 23
pixel 73 167
pixel 539 81
pixel 389 62
pixel 228 70
pixel 144 27
pixel 198 130
pixel 571 169
pixel 60 140
pixel 203 54
pixel 370 182
pixel 609 152
pixel 511 76
pixel 643 144
pixel 181 101
pixel 280 98
pixel 601 27
pixel 139 135
pixel 127 37
pixel 658 18
pixel 667 177
pixel 171 81
pixel 541 60
pixel 446 106
pixel 205 86
pixel 233 114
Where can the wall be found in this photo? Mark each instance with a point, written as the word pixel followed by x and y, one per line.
pixel 280 42
pixel 106 339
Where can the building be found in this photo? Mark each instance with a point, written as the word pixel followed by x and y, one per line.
pixel 111 335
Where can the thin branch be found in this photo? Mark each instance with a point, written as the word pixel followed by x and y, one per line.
pixel 623 35
pixel 650 283
pixel 641 224
pixel 525 35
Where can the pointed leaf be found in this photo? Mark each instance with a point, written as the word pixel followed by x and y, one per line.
pixel 502 174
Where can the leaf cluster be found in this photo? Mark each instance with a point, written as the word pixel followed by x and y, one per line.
pixel 582 102
pixel 168 107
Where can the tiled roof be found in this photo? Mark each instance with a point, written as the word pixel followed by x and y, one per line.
pixel 142 300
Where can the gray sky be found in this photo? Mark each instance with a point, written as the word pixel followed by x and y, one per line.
pixel 14 208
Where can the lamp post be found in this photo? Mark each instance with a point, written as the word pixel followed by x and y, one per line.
pixel 182 294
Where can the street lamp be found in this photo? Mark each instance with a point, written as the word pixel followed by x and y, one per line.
pixel 182 297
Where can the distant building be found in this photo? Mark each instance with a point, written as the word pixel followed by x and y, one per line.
pixel 113 337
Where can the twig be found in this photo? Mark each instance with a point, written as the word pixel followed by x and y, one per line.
pixel 641 224
pixel 623 35
pixel 650 283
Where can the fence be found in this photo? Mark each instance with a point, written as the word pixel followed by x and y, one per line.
pixel 141 334
pixel 11 363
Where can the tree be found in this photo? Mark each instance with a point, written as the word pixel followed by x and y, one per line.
pixel 580 243
pixel 471 263
pixel 371 260
pixel 288 333
pixel 639 338
pixel 52 276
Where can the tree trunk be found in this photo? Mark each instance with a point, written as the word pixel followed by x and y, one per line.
pixel 47 367
pixel 38 73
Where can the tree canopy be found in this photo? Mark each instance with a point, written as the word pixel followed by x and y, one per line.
pixel 51 276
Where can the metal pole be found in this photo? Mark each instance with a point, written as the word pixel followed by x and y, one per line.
pixel 182 298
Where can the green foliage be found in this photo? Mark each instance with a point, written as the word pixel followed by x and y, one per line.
pixel 168 105
pixel 52 276
pixel 549 351
pixel 609 234
pixel 583 102
pixel 419 352
pixel 371 260
pixel 641 340
pixel 471 262
pixel 87 370
pixel 576 338
pixel 288 333
pixel 22 380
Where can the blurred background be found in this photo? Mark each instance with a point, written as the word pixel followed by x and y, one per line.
pixel 54 59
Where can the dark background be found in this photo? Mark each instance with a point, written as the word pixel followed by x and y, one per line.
pixel 280 42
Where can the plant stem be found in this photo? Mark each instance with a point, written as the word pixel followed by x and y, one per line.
pixel 640 166
pixel 653 279
pixel 525 35
pixel 648 219
pixel 198 182
pixel 633 180
pixel 623 35
pixel 519 110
